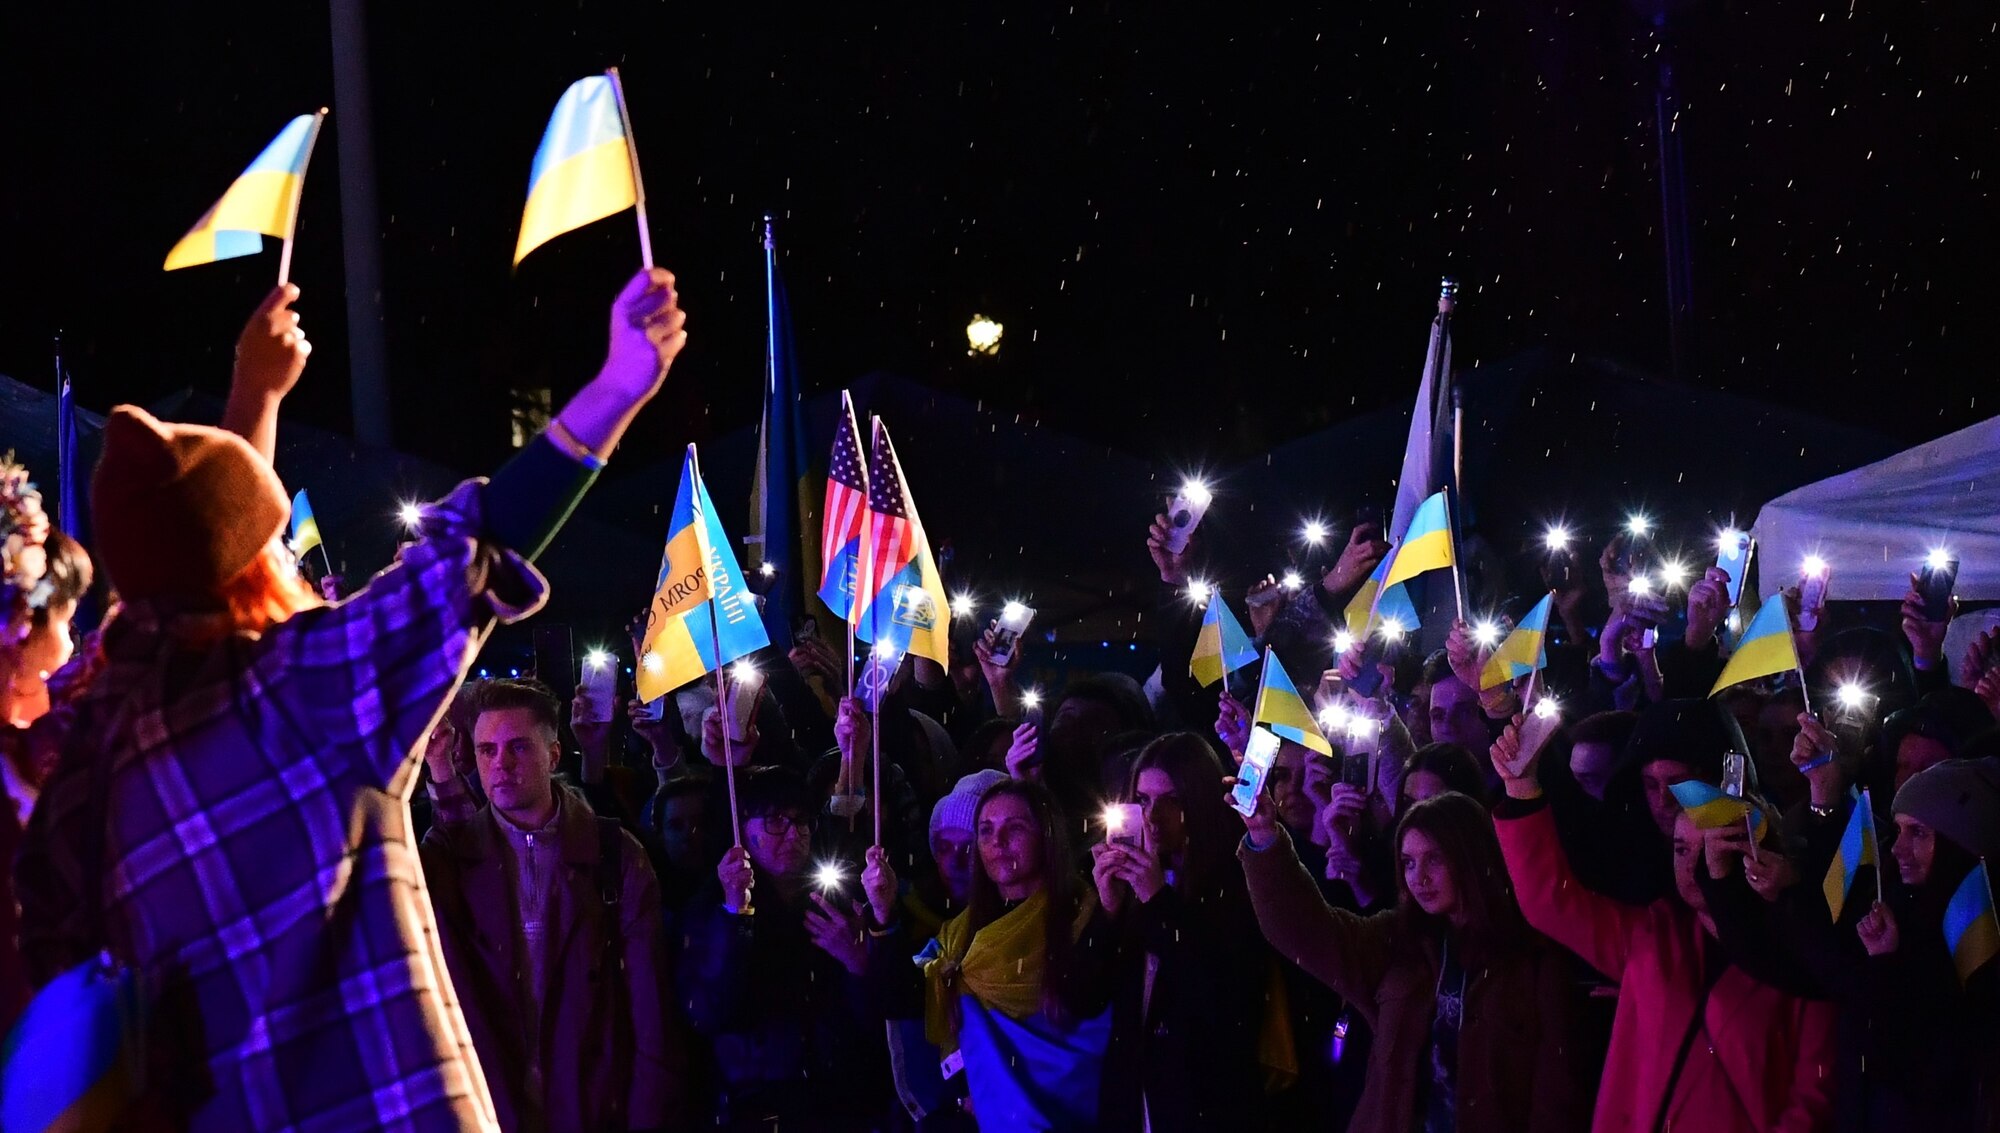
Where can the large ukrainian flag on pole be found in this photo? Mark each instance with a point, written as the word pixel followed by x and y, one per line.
pixel 584 169
pixel 262 201
pixel 702 616
pixel 1765 649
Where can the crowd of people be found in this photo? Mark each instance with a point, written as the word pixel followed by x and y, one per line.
pixel 356 892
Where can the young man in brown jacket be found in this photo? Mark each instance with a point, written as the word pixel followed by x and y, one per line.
pixel 551 925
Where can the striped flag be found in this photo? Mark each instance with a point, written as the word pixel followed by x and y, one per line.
pixel 846 511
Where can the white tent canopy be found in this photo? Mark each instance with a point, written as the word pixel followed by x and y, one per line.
pixel 1876 523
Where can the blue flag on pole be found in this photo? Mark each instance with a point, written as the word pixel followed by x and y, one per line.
pixel 781 505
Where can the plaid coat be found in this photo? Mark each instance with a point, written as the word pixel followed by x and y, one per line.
pixel 259 871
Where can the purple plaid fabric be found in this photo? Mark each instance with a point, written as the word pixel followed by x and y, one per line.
pixel 259 870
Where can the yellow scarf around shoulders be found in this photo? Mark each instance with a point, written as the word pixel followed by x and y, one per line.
pixel 1001 964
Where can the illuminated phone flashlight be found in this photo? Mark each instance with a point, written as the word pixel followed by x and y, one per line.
pixel 1114 821
pixel 1547 707
pixel 1641 586
pixel 410 514
pixel 767 569
pixel 744 673
pixel 1031 699
pixel 1556 538
pixel 1638 525
pixel 653 663
pixel 1392 630
pixel 1938 559
pixel 885 650
pixel 1292 581
pixel 1486 634
pixel 1199 592
pixel 1851 697
pixel 1333 718
pixel 1813 567
pixel 1360 727
pixel 829 875
pixel 1197 493
pixel 1729 542
pixel 1674 572
pixel 961 605
pixel 1314 532
pixel 1013 612
pixel 596 659
pixel 1342 642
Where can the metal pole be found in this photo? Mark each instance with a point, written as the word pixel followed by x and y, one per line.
pixel 360 230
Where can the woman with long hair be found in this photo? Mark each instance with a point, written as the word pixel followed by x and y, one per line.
pixel 1006 991
pixel 1188 972
pixel 1470 1009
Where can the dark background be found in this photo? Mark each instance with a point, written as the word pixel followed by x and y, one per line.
pixel 1204 235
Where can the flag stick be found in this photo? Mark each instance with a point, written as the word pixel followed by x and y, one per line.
pixel 728 730
pixel 1865 801
pixel 638 185
pixel 1457 584
pixel 298 190
pixel 324 557
pixel 875 741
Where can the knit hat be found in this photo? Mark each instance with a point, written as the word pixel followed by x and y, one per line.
pixel 957 809
pixel 1960 799
pixel 1695 732
pixel 180 509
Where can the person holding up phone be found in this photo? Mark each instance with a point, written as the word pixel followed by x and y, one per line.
pixel 1926 614
pixel 1472 1009
pixel 1188 973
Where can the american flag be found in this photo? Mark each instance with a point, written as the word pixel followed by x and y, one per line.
pixel 892 537
pixel 846 503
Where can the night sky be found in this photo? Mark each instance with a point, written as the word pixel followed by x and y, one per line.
pixel 1204 235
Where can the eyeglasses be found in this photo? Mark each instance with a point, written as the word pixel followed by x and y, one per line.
pixel 779 825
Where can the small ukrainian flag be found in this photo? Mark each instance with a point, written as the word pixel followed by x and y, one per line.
pixel 1970 927
pixel 703 616
pixel 1857 849
pixel 584 168
pixel 305 526
pixel 1711 809
pixel 1426 545
pixel 1395 603
pixel 262 201
pixel 1522 652
pixel 1284 711
pixel 1765 649
pixel 1222 647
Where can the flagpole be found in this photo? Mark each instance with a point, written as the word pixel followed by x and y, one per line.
pixel 728 728
pixel 323 556
pixel 1450 525
pixel 638 185
pixel 298 190
pixel 875 742
pixel 1877 847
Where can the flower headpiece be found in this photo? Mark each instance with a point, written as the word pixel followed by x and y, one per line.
pixel 25 585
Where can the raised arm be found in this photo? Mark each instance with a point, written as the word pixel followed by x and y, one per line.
pixel 270 355
pixel 1346 952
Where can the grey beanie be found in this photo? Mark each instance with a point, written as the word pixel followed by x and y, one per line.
pixel 956 809
pixel 1960 799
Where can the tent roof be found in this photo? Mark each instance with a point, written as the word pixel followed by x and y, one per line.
pixel 1875 524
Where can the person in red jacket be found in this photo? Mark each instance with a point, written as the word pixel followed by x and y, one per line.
pixel 1697 1044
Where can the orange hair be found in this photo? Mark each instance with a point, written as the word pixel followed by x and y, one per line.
pixel 263 594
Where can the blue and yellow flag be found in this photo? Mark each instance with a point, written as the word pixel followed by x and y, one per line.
pixel 263 201
pixel 1395 603
pixel 1764 650
pixel 702 615
pixel 305 526
pixel 1284 711
pixel 1426 546
pixel 1522 653
pixel 1970 928
pixel 1711 809
pixel 1857 848
pixel 1221 647
pixel 583 168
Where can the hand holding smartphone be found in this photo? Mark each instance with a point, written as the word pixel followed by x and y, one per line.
pixel 1732 557
pixel 1935 582
pixel 1007 630
pixel 1184 514
pixel 1259 755
pixel 1124 824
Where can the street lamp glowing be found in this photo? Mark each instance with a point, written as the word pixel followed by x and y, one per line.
pixel 982 335
pixel 410 514
pixel 961 605
pixel 1315 532
pixel 1486 634
pixel 1638 525
pixel 1556 538
pixel 1938 559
